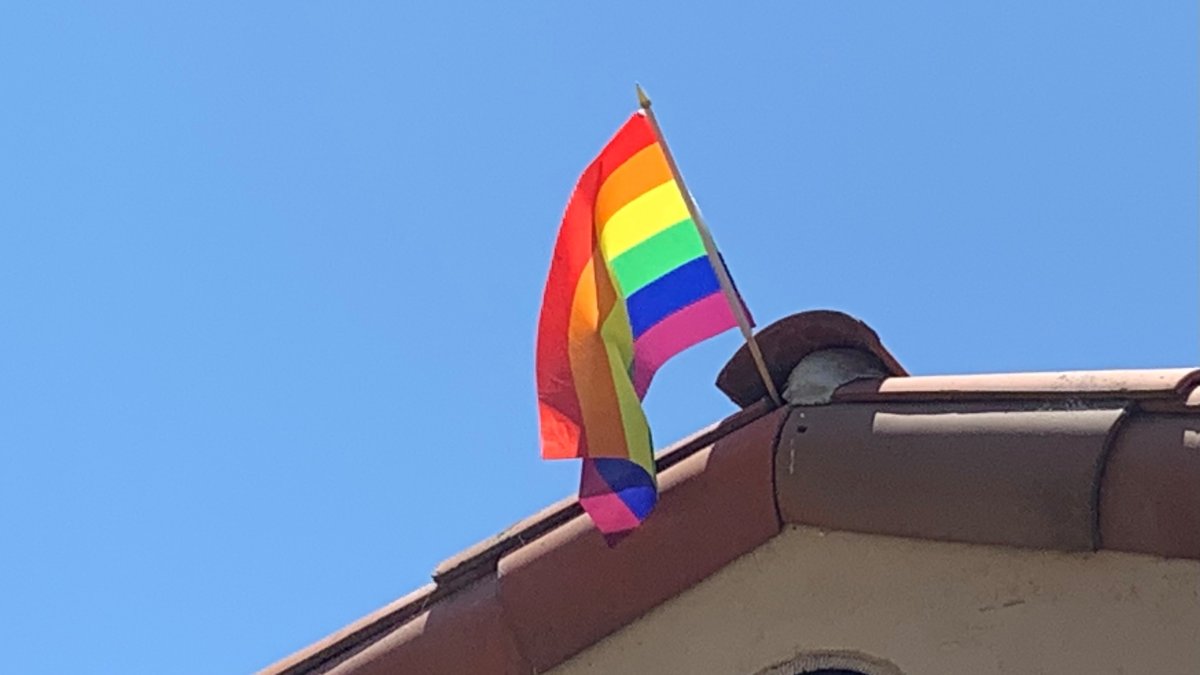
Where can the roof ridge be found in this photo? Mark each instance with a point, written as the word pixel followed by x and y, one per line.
pixel 1134 384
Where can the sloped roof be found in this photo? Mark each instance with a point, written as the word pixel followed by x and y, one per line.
pixel 1072 461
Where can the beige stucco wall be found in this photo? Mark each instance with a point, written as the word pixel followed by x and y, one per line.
pixel 929 608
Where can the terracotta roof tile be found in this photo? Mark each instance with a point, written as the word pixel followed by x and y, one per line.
pixel 568 589
pixel 1150 497
pixel 463 633
pixel 481 559
pixel 336 645
pixel 986 474
pixel 1111 384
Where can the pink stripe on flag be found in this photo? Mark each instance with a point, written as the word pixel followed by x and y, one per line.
pixel 609 513
pixel 696 322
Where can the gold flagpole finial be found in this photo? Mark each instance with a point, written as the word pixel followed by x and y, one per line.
pixel 643 99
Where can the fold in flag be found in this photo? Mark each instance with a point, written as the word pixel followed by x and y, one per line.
pixel 631 284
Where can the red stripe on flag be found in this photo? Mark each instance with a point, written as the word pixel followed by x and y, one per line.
pixel 559 409
pixel 558 403
pixel 634 135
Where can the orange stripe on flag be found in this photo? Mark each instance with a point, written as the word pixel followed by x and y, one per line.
pixel 644 171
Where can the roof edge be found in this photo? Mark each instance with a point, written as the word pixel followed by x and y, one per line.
pixel 363 631
pixel 481 560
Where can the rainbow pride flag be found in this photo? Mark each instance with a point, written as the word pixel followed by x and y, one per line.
pixel 631 284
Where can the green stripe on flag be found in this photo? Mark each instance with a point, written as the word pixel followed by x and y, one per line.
pixel 649 260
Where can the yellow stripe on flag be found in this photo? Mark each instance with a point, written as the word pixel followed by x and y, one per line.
pixel 633 418
pixel 642 218
pixel 644 171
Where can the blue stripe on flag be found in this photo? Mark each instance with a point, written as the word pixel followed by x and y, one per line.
pixel 682 286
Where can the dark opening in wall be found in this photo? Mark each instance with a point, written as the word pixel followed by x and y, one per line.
pixel 839 662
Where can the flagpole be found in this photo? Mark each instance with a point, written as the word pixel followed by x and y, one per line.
pixel 731 296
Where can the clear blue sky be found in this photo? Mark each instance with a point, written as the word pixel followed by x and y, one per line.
pixel 269 272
